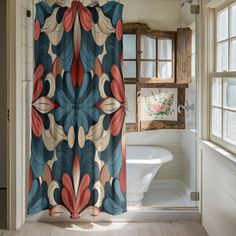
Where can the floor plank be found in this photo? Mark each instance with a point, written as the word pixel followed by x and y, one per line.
pixel 111 229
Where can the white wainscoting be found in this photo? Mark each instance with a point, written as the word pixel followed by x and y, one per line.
pixel 218 191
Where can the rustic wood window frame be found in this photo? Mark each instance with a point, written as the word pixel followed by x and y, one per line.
pixel 158 35
pixel 142 29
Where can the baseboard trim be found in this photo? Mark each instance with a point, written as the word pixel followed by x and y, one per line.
pixel 136 215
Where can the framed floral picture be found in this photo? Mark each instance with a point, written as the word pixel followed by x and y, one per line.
pixel 159 104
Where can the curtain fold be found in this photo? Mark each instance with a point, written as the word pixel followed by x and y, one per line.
pixel 78 158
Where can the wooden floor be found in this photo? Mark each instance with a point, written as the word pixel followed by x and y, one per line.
pixel 110 229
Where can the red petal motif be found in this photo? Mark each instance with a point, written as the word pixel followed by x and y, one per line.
pixel 38 88
pixel 77 72
pixel 98 70
pixel 69 17
pixel 85 197
pixel 38 73
pixel 80 73
pixel 67 199
pixel 122 178
pixel 117 86
pixel 117 121
pixel 118 91
pixel 67 183
pixel 85 17
pixel 83 186
pixel 56 67
pixel 119 30
pixel 37 123
pixel 30 177
pixel 36 30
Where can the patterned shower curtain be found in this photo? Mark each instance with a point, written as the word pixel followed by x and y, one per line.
pixel 78 159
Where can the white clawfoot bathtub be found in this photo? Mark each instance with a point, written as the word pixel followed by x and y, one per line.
pixel 143 162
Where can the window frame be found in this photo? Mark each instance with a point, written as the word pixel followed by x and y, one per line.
pixel 162 36
pixel 221 141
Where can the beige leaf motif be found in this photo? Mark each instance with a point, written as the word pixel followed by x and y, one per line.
pixel 92 211
pixel 102 80
pixel 102 29
pixel 50 78
pixel 53 30
pixel 98 135
pixel 43 105
pixel 101 193
pixel 54 135
pixel 110 105
pixel 81 137
pixel 51 188
pixel 71 137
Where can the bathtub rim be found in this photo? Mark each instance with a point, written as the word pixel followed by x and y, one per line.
pixel 156 160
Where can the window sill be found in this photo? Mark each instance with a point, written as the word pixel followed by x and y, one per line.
pixel 223 152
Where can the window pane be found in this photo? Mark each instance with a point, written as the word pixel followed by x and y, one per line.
pixel 233 21
pixel 129 45
pixel 230 93
pixel 230 126
pixel 216 121
pixel 148 69
pixel 164 49
pixel 148 47
pixel 164 70
pixel 222 57
pixel 129 69
pixel 233 55
pixel 217 92
pixel 222 25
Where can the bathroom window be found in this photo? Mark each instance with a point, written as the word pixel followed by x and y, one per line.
pixel 223 80
pixel 157 58
pixel 153 91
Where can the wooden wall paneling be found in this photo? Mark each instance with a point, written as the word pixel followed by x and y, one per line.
pixel 184 55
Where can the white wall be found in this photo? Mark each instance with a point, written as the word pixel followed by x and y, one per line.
pixel 3 95
pixel 218 191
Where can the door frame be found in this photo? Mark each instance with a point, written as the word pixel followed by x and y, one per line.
pixel 15 160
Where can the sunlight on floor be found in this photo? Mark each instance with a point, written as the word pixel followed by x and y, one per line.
pixel 95 227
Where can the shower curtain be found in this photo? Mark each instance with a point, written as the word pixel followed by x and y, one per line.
pixel 77 163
